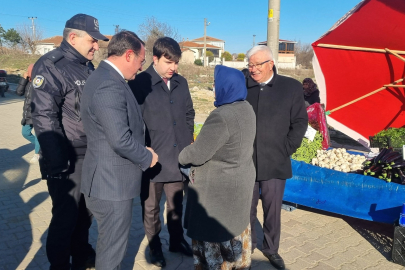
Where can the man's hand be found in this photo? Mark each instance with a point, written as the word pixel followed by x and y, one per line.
pixel 155 157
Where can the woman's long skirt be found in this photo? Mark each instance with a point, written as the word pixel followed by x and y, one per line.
pixel 228 255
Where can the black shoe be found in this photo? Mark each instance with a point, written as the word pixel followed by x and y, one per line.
pixel 91 260
pixel 182 247
pixel 87 263
pixel 276 260
pixel 156 258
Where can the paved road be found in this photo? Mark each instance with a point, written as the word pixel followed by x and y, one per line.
pixel 309 239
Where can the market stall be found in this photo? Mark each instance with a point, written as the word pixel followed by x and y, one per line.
pixel 359 69
pixel 347 194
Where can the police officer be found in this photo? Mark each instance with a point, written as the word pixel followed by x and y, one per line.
pixel 58 81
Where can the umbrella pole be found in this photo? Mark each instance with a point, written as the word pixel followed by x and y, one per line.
pixel 395 54
pixel 353 48
pixel 367 95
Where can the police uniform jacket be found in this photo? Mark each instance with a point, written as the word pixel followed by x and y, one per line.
pixel 169 119
pixel 58 81
pixel 281 122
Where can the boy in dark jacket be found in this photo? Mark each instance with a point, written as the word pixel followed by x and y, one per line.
pixel 25 88
pixel 167 110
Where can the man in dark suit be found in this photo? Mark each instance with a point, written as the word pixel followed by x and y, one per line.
pixel 281 121
pixel 116 155
pixel 168 112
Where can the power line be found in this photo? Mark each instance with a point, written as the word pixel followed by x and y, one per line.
pixel 33 26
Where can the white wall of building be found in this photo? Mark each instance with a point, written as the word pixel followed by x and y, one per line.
pixel 287 61
pixel 44 48
pixel 235 64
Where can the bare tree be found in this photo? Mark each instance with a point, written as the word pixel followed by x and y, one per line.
pixel 304 54
pixel 29 41
pixel 151 29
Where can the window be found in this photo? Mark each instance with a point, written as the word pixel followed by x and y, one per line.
pixel 286 48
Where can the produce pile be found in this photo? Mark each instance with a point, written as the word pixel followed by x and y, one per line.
pixel 388 166
pixel 392 137
pixel 307 151
pixel 338 159
pixel 197 129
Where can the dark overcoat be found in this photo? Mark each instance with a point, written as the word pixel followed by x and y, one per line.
pixel 25 91
pixel 281 122
pixel 169 119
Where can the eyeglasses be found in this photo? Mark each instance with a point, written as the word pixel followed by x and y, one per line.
pixel 258 66
pixel 143 62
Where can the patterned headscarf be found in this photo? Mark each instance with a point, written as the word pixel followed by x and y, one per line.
pixel 311 86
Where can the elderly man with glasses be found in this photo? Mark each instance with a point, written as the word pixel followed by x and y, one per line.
pixel 281 121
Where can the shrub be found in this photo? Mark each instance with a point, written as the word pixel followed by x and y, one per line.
pixel 210 56
pixel 227 56
pixel 198 62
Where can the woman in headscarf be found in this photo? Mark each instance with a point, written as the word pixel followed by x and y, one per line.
pixel 222 178
pixel 311 92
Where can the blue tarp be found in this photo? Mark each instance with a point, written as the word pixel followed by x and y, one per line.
pixel 347 194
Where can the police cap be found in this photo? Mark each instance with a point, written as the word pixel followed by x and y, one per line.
pixel 86 23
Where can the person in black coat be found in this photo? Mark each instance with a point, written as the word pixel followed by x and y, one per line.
pixel 281 122
pixel 58 80
pixel 311 92
pixel 24 88
pixel 168 113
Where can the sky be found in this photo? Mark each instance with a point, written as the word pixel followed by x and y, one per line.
pixel 234 21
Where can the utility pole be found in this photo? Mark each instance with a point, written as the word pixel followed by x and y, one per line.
pixel 253 40
pixel 117 27
pixel 273 28
pixel 33 26
pixel 205 41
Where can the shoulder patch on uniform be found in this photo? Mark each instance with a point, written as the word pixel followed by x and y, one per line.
pixel 38 81
pixel 55 55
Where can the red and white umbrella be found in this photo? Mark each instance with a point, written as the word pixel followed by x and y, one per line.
pixel 361 59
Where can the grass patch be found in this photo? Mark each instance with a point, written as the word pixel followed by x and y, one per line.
pixel 298 74
pixel 17 63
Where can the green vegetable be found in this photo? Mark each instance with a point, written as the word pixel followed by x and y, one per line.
pixel 197 129
pixel 307 151
pixel 396 135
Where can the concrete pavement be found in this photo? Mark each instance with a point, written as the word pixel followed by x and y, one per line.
pixel 310 239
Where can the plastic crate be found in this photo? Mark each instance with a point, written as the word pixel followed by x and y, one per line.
pixel 398 247
pixel 376 144
pixel 380 145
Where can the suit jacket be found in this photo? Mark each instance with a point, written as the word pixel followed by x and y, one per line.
pixel 169 119
pixel 281 120
pixel 116 153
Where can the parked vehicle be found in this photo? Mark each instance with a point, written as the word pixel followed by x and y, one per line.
pixel 3 82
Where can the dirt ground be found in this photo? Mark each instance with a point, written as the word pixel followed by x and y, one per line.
pixel 201 87
pixel 203 101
